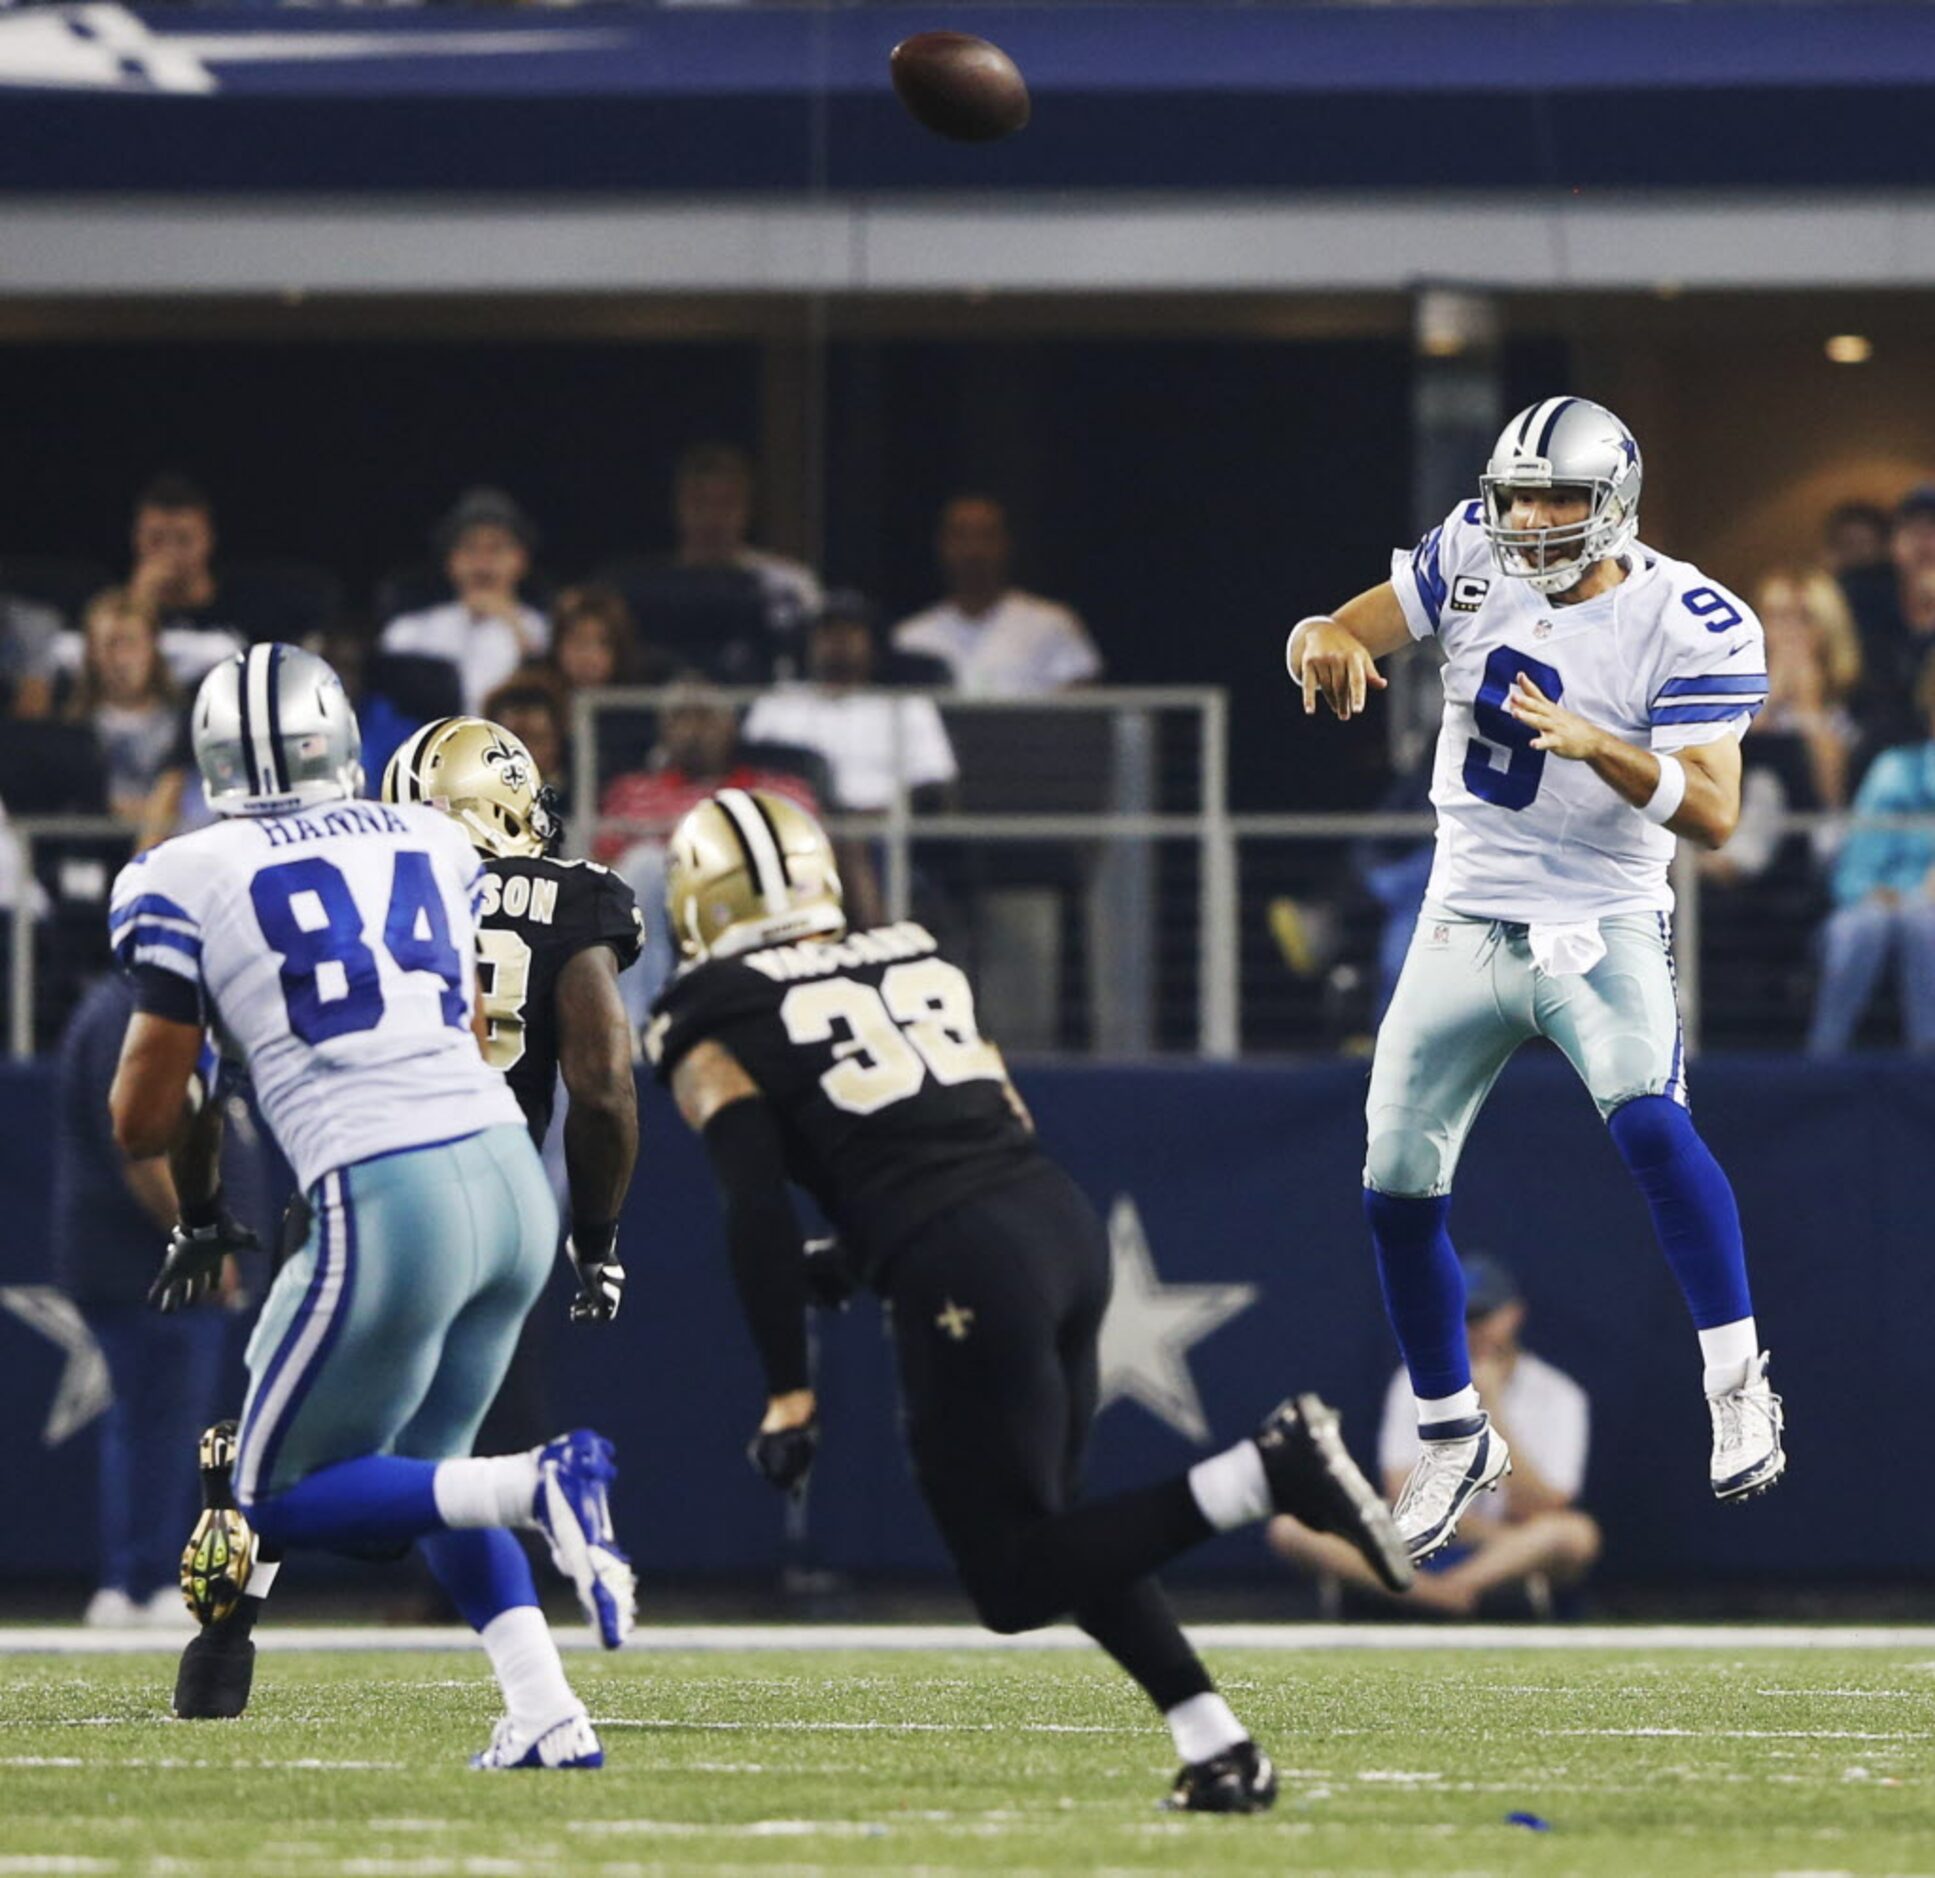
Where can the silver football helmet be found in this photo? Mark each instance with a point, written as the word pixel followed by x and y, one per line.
pixel 273 731
pixel 1562 443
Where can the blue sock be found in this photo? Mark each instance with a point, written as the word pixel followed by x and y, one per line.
pixel 1424 1288
pixel 375 1503
pixel 1694 1212
pixel 484 1571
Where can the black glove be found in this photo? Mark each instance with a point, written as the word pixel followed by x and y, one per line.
pixel 195 1255
pixel 601 1279
pixel 830 1283
pixel 785 1458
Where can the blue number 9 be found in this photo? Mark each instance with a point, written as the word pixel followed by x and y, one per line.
pixel 323 1003
pixel 1713 606
pixel 1514 786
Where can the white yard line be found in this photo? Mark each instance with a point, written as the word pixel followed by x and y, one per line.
pixel 72 1640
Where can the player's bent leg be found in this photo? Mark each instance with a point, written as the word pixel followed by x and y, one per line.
pixel 489 1580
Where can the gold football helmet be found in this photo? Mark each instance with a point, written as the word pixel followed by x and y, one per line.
pixel 483 777
pixel 746 869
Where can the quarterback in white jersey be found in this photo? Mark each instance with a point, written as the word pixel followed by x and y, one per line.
pixel 1595 696
pixel 328 944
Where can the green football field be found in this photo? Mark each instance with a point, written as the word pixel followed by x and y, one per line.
pixel 1643 1762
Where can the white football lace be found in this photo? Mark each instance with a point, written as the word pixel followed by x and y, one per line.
pixel 1434 1469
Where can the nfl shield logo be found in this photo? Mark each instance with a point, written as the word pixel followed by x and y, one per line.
pixel 1441 935
pixel 1543 630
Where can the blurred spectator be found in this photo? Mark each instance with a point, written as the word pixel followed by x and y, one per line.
pixel 112 1218
pixel 530 704
pixel 173 543
pixel 1856 536
pixel 486 631
pixel 385 720
pixel 1813 669
pixel 712 509
pixel 593 645
pixel 995 639
pixel 1884 893
pixel 698 752
pixel 126 693
pixel 29 655
pixel 1531 1533
pixel 856 729
pixel 1894 608
pixel 593 641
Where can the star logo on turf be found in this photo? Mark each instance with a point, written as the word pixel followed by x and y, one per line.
pixel 1151 1327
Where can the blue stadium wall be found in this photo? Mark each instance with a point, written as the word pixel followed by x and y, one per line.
pixel 1248 1176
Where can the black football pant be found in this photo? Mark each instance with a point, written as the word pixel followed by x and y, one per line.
pixel 997 1306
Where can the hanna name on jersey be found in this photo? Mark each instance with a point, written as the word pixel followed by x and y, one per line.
pixel 352 818
pixel 883 946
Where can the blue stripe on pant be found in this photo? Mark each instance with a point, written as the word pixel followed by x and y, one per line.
pixel 389 1332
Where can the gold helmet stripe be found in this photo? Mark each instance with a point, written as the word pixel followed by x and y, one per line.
pixel 756 836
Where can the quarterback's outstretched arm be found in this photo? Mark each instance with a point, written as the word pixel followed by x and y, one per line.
pixel 1701 801
pixel 1334 655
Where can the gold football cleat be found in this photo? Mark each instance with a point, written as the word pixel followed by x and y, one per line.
pixel 220 1553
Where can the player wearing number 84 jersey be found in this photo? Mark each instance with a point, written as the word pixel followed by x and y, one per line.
pixel 852 1064
pixel 329 945
pixel 1595 695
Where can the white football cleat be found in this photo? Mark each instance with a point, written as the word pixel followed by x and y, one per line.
pixel 1452 1469
pixel 571 1742
pixel 1747 1455
pixel 574 1514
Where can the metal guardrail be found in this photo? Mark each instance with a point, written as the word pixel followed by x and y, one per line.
pixel 1217 836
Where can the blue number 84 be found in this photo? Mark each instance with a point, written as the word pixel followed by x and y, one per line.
pixel 331 982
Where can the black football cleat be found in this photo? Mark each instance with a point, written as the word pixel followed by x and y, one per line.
pixel 220 1553
pixel 1313 1478
pixel 1239 1780
pixel 217 1671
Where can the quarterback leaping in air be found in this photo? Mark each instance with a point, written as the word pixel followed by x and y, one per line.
pixel 330 945
pixel 1595 696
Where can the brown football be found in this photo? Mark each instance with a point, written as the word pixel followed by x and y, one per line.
pixel 960 86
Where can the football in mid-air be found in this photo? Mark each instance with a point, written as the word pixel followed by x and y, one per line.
pixel 960 86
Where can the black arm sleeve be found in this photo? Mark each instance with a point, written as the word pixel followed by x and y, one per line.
pixel 162 993
pixel 762 1237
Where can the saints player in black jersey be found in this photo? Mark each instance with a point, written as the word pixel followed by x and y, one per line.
pixel 851 1064
pixel 553 935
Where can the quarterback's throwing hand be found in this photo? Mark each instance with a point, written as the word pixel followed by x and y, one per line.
pixel 1560 732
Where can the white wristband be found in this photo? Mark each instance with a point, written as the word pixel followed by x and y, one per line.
pixel 1664 803
pixel 1290 661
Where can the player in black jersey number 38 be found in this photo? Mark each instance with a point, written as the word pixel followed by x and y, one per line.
pixel 851 1065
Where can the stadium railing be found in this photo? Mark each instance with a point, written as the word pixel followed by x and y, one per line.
pixel 1135 915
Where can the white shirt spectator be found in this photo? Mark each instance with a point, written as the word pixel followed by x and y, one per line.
pixel 1021 647
pixel 485 651
pixel 1544 1412
pixel 854 731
